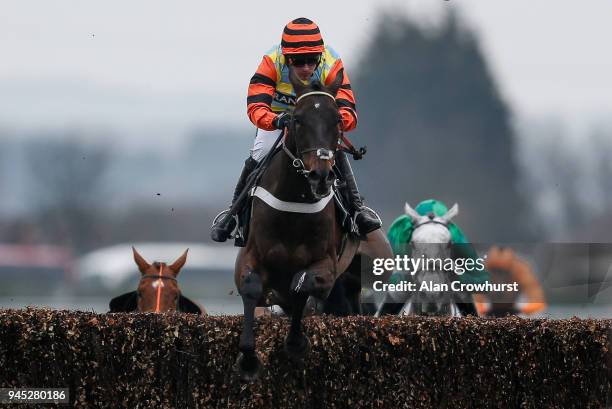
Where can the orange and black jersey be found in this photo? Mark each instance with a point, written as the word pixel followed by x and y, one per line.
pixel 270 91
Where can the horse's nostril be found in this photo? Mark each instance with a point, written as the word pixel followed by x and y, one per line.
pixel 331 176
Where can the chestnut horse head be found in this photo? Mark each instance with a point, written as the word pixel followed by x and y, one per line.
pixel 157 291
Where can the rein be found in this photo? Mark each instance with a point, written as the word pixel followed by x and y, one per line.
pixel 349 148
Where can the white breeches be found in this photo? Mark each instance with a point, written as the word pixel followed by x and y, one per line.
pixel 263 143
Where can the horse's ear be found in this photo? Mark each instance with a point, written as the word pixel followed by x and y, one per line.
pixel 411 212
pixel 335 86
pixel 142 264
pixel 298 85
pixel 179 263
pixel 452 212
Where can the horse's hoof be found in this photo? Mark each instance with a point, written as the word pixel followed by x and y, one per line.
pixel 297 352
pixel 248 367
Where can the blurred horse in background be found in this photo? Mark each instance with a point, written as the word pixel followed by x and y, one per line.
pixel 157 291
pixel 431 240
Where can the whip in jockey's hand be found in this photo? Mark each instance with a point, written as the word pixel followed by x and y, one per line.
pixel 270 101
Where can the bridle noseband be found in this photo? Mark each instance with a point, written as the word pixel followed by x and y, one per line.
pixel 430 222
pixel 322 153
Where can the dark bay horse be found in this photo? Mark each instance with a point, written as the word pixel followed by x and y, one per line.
pixel 157 291
pixel 296 247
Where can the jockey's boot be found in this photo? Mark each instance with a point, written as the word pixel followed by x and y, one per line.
pixel 225 222
pixel 365 218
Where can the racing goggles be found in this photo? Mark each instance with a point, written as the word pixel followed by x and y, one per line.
pixel 302 60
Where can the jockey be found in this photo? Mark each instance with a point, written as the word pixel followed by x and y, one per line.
pixel 271 100
pixel 507 267
pixel 400 234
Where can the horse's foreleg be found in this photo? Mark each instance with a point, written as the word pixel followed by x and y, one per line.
pixel 316 281
pixel 250 290
pixel 296 343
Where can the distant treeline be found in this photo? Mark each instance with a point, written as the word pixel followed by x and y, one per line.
pixel 437 127
pixel 430 113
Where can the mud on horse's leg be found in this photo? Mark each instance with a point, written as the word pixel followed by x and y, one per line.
pixel 248 363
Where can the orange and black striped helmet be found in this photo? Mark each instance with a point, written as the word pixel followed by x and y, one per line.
pixel 302 36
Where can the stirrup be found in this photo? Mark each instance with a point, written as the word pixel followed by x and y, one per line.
pixel 218 217
pixel 221 216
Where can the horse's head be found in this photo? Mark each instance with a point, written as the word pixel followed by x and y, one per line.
pixel 431 237
pixel 315 131
pixel 431 242
pixel 158 290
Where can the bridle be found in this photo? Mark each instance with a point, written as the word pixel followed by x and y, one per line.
pixel 431 220
pixel 322 153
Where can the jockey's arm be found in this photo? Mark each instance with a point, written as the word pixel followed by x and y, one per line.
pixel 344 98
pixel 260 94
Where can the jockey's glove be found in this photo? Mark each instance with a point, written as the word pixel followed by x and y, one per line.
pixel 282 120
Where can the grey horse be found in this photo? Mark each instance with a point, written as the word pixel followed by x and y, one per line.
pixel 431 244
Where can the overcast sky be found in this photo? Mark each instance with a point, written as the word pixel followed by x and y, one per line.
pixel 165 66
